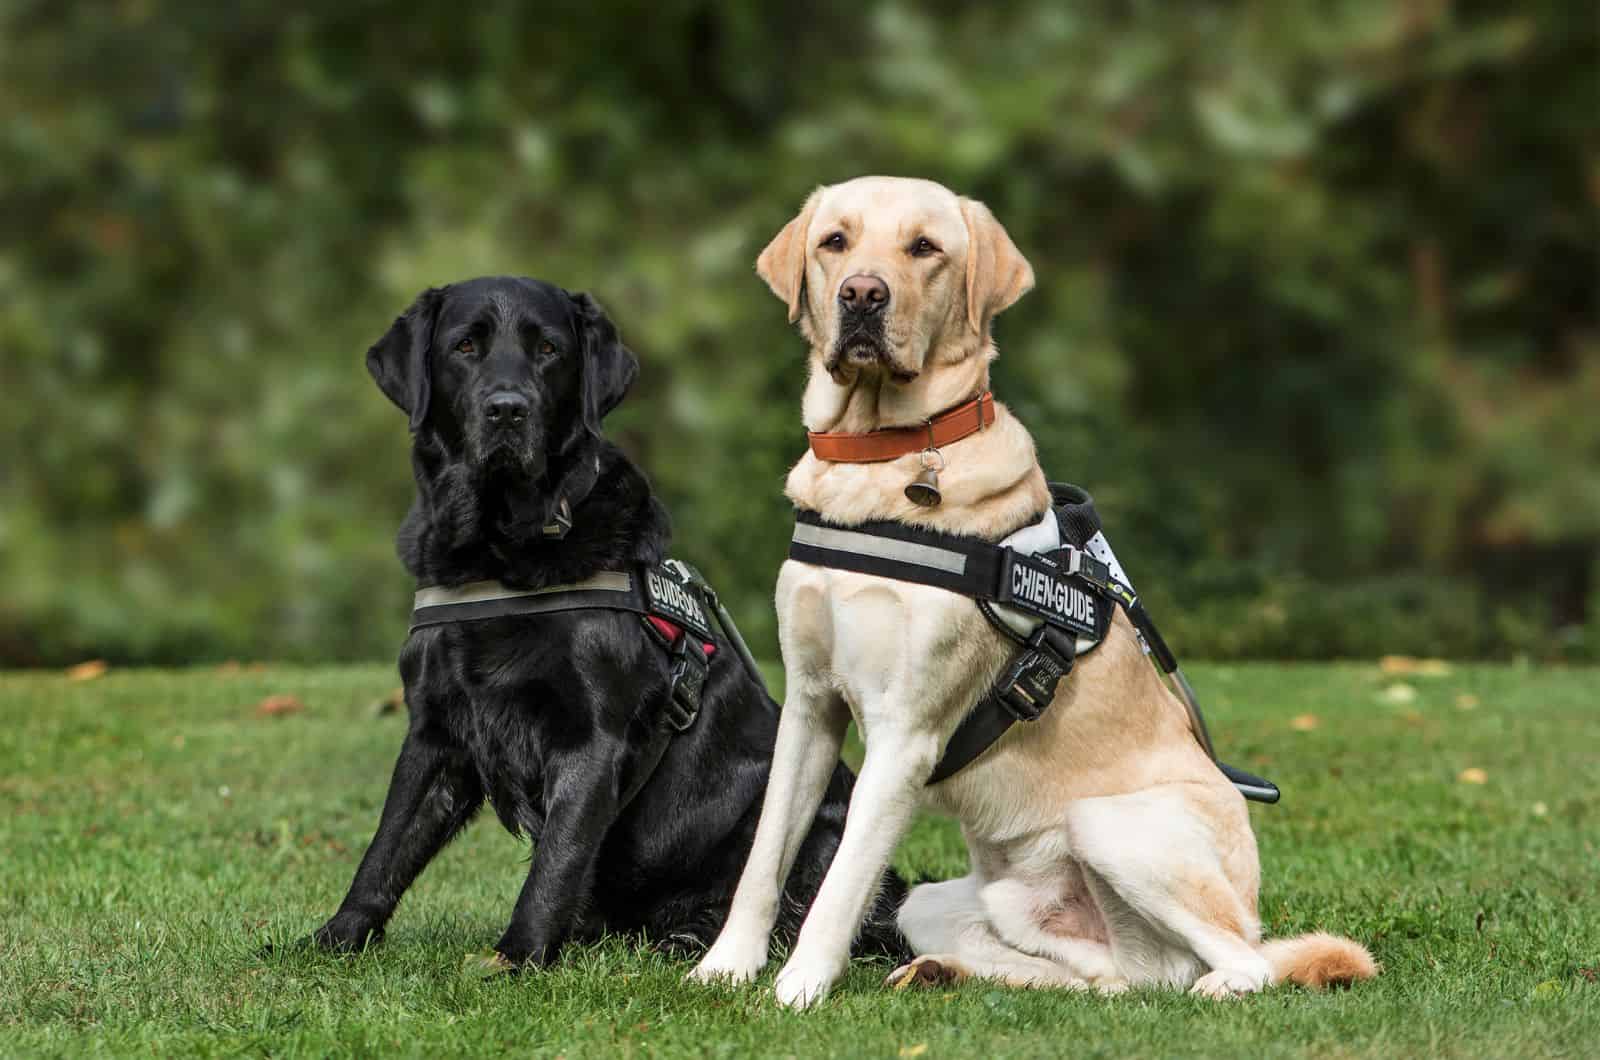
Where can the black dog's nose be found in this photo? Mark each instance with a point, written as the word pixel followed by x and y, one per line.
pixel 863 294
pixel 505 409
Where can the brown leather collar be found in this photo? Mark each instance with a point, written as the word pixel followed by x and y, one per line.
pixel 876 446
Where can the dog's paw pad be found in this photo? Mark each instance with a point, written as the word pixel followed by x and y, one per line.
pixel 926 971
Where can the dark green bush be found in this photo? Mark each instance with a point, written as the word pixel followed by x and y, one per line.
pixel 1316 315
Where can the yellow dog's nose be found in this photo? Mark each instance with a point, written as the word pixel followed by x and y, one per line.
pixel 863 294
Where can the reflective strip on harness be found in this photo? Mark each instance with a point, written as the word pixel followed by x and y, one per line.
pixel 659 591
pixel 476 601
pixel 837 540
pixel 478 592
pixel 1064 594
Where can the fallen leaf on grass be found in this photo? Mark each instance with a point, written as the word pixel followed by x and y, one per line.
pixel 279 705
pixel 87 671
pixel 485 964
pixel 1406 665
pixel 1399 693
pixel 914 1050
pixel 1304 722
pixel 392 703
pixel 1473 775
pixel 1466 701
pixel 1548 990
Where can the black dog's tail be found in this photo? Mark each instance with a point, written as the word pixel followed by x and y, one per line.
pixel 880 935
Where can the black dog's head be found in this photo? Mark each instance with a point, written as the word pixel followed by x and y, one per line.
pixel 504 374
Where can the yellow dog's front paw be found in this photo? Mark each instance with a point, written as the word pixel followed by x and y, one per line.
pixel 732 959
pixel 804 982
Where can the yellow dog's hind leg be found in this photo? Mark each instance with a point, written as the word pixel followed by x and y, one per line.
pixel 947 925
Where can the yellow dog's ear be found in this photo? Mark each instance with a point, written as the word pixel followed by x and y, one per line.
pixel 997 273
pixel 783 263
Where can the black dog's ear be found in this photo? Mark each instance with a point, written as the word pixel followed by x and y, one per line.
pixel 399 361
pixel 609 367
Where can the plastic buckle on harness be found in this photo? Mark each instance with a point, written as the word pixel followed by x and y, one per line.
pixel 1029 683
pixel 1079 562
pixel 688 680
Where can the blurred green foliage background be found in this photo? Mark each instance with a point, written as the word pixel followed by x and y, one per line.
pixel 1316 317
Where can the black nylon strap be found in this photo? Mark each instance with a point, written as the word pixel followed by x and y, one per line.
pixel 689 671
pixel 978 731
pixel 1071 599
pixel 573 600
pixel 962 565
pixel 661 591
pixel 1022 692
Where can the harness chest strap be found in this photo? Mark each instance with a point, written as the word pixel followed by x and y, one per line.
pixel 1063 588
pixel 646 591
pixel 1070 589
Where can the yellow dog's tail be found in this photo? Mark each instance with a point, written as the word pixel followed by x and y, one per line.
pixel 1318 960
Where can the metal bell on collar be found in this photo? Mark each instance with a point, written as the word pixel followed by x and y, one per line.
pixel 924 489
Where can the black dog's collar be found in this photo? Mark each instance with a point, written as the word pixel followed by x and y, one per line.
pixel 561 519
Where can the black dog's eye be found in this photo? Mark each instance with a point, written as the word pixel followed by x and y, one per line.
pixel 833 242
pixel 922 247
pixel 465 346
pixel 547 347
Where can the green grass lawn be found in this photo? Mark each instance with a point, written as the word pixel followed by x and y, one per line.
pixel 155 831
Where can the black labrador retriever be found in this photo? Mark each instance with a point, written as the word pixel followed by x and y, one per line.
pixel 552 717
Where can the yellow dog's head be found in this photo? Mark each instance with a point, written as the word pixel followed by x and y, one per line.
pixel 888 274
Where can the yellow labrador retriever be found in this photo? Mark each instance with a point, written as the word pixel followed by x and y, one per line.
pixel 1106 848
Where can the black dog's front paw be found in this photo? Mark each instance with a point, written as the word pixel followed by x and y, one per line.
pixel 520 953
pixel 681 946
pixel 348 933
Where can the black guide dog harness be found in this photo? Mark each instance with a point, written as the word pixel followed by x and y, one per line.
pixel 1071 589
pixel 675 602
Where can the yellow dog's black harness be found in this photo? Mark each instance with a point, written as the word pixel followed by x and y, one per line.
pixel 1071 589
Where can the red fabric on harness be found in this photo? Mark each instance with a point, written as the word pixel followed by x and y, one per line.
pixel 672 632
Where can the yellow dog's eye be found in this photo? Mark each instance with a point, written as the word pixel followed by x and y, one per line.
pixel 466 346
pixel 922 246
pixel 833 242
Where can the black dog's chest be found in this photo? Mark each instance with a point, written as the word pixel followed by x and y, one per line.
pixel 526 699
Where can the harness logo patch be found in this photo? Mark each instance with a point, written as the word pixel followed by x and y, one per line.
pixel 675 601
pixel 1053 597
